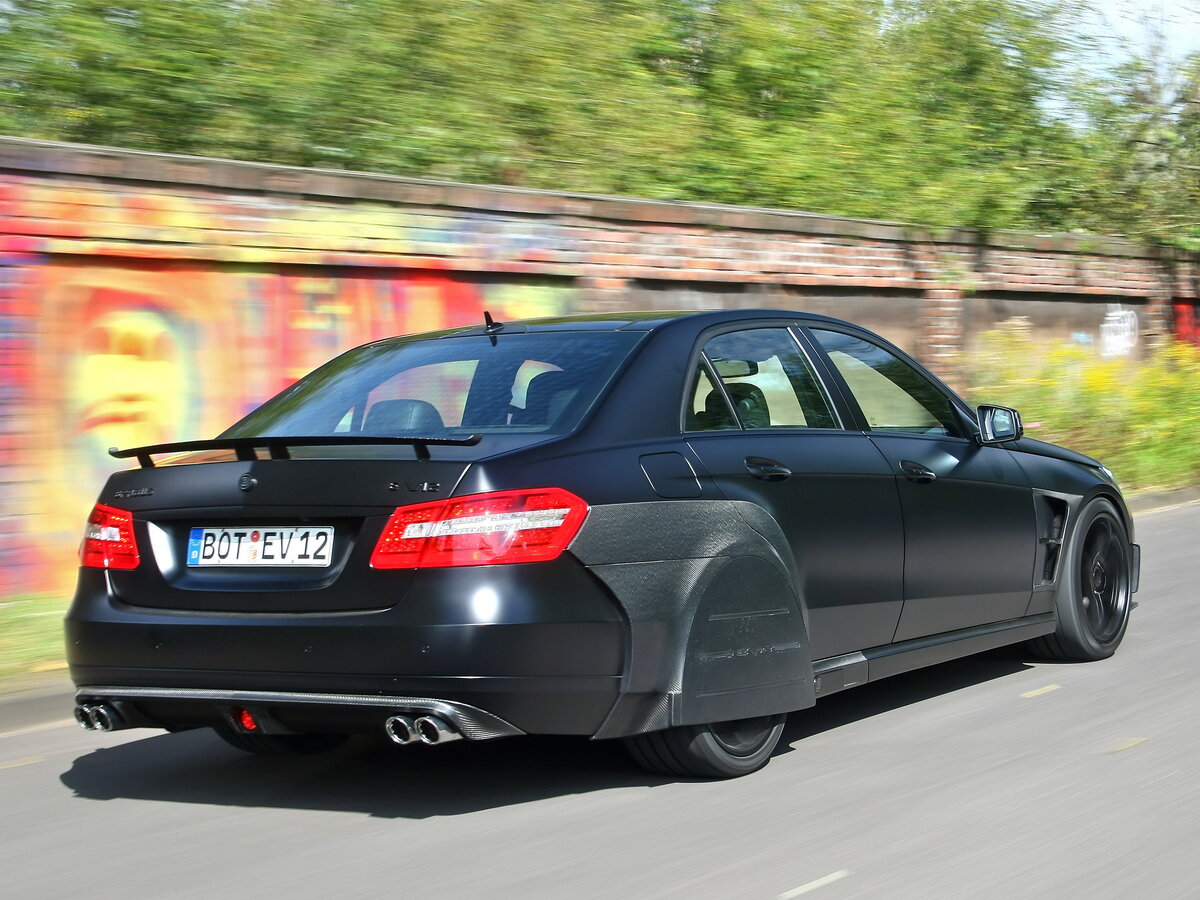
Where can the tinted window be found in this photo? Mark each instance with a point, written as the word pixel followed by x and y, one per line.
pixel 892 394
pixel 519 383
pixel 709 410
pixel 768 380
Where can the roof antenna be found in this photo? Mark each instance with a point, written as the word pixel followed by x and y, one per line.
pixel 491 326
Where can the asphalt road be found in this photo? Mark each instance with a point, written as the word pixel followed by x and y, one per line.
pixel 992 777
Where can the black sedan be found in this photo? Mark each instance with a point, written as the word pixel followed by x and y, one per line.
pixel 669 528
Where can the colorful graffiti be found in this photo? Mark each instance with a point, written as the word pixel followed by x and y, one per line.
pixel 132 352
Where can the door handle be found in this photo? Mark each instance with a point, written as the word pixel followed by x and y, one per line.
pixel 766 469
pixel 914 471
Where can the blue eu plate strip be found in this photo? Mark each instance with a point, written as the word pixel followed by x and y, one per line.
pixel 194 538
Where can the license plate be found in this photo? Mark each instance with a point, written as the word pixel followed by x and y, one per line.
pixel 260 546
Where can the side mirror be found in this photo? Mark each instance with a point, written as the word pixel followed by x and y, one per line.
pixel 999 424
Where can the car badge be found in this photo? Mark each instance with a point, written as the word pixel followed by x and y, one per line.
pixel 247 482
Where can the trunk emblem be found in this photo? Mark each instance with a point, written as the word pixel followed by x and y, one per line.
pixel 417 487
pixel 247 483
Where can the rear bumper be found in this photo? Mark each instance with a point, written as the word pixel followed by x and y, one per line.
pixel 283 712
pixel 466 644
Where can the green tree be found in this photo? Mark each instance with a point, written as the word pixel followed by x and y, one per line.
pixel 934 111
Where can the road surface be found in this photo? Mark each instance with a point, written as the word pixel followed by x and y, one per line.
pixel 994 777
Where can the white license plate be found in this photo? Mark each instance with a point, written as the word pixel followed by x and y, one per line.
pixel 261 545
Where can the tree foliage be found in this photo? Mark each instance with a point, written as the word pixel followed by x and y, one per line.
pixel 934 111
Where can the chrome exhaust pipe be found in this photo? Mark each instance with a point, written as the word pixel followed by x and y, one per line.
pixel 433 730
pixel 401 729
pixel 101 717
pixel 104 718
pixel 83 715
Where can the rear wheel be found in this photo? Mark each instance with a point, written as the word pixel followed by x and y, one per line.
pixel 1094 597
pixel 282 744
pixel 717 750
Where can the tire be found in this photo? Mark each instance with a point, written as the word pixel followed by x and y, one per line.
pixel 718 750
pixel 1093 599
pixel 282 744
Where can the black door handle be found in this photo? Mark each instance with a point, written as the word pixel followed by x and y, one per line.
pixel 766 469
pixel 914 471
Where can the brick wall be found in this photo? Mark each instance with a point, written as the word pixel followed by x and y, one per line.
pixel 148 297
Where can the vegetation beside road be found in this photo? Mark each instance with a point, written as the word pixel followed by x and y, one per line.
pixel 31 639
pixel 1141 418
pixel 1021 114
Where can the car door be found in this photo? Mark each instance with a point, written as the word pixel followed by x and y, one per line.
pixel 969 519
pixel 767 431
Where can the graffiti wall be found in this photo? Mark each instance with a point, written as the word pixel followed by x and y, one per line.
pixel 134 352
pixel 153 297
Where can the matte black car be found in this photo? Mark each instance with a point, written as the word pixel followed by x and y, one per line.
pixel 669 528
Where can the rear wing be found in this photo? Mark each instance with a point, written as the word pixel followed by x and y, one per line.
pixel 247 448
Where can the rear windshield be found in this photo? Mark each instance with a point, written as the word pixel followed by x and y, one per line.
pixel 537 384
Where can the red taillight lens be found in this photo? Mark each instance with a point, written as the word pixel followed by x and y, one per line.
pixel 108 542
pixel 481 530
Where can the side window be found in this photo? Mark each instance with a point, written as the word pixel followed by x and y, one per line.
pixel 892 394
pixel 708 410
pixel 769 380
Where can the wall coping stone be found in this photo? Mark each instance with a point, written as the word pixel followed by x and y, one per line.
pixel 25 155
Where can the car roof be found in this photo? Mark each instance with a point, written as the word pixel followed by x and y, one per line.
pixel 646 320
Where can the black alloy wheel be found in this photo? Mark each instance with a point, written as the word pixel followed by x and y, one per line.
pixel 716 750
pixel 1104 580
pixel 1094 597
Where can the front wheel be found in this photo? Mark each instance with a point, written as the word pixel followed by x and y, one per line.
pixel 717 750
pixel 1094 595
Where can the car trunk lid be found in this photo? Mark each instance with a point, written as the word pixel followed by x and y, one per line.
pixel 270 535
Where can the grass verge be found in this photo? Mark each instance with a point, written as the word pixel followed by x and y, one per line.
pixel 31 639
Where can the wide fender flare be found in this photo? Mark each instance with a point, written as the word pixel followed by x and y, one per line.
pixel 717 628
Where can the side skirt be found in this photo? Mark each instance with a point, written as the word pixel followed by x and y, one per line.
pixel 840 672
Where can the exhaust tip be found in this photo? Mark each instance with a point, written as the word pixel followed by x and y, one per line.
pixel 83 715
pixel 103 718
pixel 401 729
pixel 433 730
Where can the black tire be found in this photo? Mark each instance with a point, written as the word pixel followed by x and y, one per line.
pixel 282 744
pixel 718 750
pixel 1094 596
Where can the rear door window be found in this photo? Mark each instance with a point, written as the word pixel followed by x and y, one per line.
pixel 766 382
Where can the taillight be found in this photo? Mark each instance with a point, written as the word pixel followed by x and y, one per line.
pixel 481 529
pixel 108 542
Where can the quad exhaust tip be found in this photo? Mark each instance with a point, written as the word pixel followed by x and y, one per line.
pixel 426 729
pixel 97 718
pixel 401 729
pixel 433 730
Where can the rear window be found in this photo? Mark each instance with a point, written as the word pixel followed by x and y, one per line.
pixel 516 384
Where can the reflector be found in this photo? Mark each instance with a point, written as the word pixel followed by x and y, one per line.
pixel 246 719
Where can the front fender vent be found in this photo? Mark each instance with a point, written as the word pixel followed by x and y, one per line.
pixel 1052 529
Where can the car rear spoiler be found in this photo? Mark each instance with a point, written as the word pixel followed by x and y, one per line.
pixel 247 448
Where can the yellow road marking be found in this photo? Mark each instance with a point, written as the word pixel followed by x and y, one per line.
pixel 27 761
pixel 1039 691
pixel 1127 745
pixel 813 885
